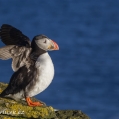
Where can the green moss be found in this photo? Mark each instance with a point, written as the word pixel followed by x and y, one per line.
pixel 10 117
pixel 17 109
pixel 71 114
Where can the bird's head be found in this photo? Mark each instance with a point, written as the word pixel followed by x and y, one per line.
pixel 44 43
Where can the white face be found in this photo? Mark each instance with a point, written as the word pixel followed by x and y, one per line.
pixel 44 43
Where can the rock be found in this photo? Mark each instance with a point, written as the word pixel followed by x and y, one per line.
pixel 10 109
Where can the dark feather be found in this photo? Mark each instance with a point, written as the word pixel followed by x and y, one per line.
pixel 12 36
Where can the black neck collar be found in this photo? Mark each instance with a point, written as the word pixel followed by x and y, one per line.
pixel 36 51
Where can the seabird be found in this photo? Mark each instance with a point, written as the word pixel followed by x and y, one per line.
pixel 31 63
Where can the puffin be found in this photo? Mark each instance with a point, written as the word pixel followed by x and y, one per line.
pixel 32 65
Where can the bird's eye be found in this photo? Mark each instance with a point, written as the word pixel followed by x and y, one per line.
pixel 45 41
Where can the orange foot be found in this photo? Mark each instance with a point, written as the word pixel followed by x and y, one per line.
pixel 33 104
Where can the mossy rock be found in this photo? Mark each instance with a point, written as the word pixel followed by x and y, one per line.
pixel 10 109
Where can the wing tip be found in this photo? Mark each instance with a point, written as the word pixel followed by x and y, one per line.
pixel 12 36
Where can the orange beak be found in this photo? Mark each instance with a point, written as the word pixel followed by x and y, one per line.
pixel 53 46
pixel 56 47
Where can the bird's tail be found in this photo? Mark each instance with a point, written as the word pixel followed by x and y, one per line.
pixel 3 94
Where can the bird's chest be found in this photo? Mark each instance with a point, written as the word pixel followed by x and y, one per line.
pixel 45 72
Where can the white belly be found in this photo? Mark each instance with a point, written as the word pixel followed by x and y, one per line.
pixel 45 69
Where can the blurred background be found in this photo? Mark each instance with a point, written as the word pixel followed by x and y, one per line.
pixel 87 64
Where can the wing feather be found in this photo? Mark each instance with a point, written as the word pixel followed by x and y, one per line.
pixel 19 55
pixel 5 52
pixel 12 36
pixel 18 46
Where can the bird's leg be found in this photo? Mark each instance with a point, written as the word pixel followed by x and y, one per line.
pixel 30 103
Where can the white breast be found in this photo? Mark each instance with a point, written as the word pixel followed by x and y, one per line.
pixel 45 74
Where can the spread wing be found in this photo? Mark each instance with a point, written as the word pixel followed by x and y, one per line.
pixel 17 46
pixel 12 36
pixel 19 55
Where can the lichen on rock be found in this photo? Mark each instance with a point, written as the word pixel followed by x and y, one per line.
pixel 10 109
